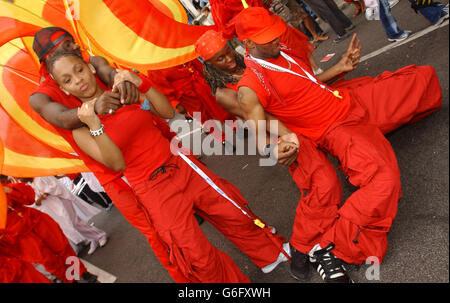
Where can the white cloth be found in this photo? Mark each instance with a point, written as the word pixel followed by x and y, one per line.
pixel 92 181
pixel 69 211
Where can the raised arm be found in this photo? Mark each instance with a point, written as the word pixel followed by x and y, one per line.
pixel 101 148
pixel 348 62
pixel 160 105
pixel 128 92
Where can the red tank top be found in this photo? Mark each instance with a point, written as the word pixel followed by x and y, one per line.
pixel 303 106
pixel 141 142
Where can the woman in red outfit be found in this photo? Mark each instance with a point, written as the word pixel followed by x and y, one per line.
pixel 167 187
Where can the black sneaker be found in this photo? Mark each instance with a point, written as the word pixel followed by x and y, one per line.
pixel 330 268
pixel 300 264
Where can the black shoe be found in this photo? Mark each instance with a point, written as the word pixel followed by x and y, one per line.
pixel 300 264
pixel 89 278
pixel 330 268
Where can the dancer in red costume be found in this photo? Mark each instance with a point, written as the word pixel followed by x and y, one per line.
pixel 348 120
pixel 33 237
pixel 60 109
pixel 224 13
pixel 168 188
pixel 186 84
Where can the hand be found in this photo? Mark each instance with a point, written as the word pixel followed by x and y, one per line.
pixel 41 197
pixel 290 137
pixel 126 83
pixel 87 115
pixel 350 59
pixel 107 103
pixel 286 153
pixel 7 189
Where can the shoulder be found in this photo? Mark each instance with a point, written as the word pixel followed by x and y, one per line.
pixel 225 93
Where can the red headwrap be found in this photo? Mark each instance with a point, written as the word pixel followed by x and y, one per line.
pixel 209 44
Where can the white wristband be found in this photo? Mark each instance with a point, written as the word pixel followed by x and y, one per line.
pixel 98 132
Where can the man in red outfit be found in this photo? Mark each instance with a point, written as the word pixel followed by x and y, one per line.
pixel 34 237
pixel 225 12
pixel 60 110
pixel 186 84
pixel 347 120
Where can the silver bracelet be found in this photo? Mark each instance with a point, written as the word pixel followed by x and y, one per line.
pixel 98 132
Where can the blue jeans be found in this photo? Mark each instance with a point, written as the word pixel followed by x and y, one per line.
pixel 431 13
pixel 388 21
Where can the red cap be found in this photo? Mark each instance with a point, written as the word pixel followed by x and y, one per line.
pixel 258 25
pixel 47 39
pixel 209 44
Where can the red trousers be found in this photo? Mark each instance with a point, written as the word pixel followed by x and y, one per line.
pixel 126 202
pixel 170 199
pixel 14 270
pixel 45 244
pixel 359 228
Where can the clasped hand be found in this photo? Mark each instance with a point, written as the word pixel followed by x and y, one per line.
pixel 124 92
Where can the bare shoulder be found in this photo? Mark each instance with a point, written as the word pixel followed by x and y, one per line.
pixel 225 93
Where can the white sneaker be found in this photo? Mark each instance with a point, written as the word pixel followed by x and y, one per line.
pixel 92 248
pixel 281 258
pixel 402 37
pixel 103 241
pixel 392 3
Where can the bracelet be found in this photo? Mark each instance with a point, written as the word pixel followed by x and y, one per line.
pixel 145 85
pixel 98 132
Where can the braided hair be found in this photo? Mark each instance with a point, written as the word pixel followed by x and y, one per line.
pixel 219 79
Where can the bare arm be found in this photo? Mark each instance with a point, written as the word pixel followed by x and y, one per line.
pixel 227 98
pixel 160 104
pixel 348 62
pixel 54 112
pixel 101 148
pixel 285 151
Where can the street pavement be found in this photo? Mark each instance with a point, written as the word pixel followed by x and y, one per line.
pixel 418 240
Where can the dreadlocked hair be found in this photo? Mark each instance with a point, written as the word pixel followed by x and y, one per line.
pixel 219 79
pixel 50 60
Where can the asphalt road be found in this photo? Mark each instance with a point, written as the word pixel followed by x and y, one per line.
pixel 418 241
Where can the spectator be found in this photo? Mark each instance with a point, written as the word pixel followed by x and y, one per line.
pixel 328 11
pixel 393 32
pixel 59 203
pixel 434 12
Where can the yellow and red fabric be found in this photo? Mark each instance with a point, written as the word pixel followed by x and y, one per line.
pixel 114 29
pixel 24 156
pixel 3 205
